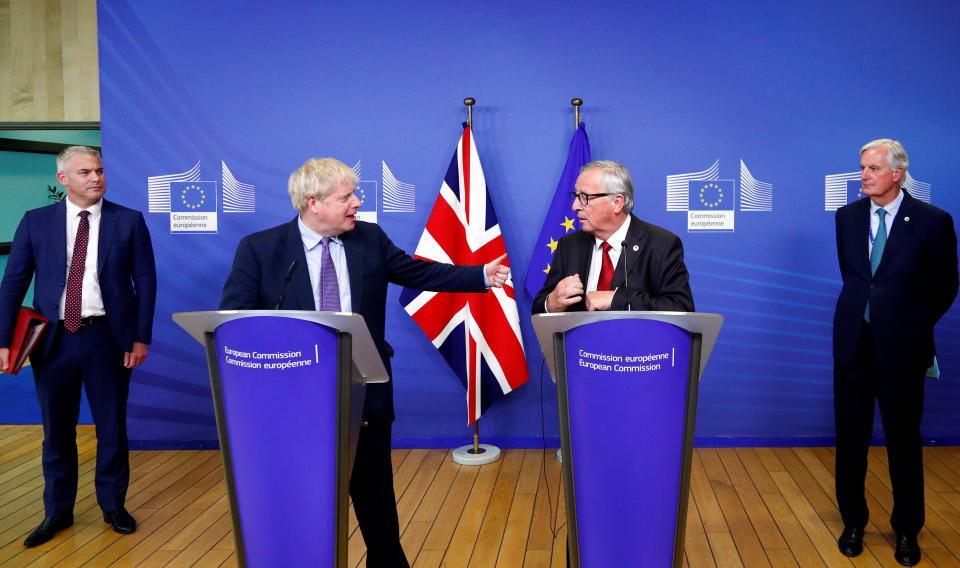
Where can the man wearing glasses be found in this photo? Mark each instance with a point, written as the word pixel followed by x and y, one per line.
pixel 616 261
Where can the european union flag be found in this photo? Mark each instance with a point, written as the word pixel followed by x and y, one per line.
pixel 711 195
pixel 560 218
pixel 854 190
pixel 193 196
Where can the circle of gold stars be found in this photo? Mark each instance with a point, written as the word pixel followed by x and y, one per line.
pixel 715 203
pixel 362 195
pixel 192 189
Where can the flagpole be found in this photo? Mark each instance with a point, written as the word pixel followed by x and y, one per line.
pixel 576 112
pixel 476 454
pixel 577 121
pixel 469 101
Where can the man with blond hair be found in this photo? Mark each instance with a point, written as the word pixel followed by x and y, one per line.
pixel 343 264
pixel 898 261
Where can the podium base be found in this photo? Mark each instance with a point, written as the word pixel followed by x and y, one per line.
pixel 464 455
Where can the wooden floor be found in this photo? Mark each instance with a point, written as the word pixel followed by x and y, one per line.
pixel 748 507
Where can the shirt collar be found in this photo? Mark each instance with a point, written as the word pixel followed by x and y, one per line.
pixel 617 238
pixel 891 208
pixel 94 210
pixel 310 237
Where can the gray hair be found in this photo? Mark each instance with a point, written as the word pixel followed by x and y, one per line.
pixel 67 154
pixel 318 178
pixel 896 155
pixel 616 180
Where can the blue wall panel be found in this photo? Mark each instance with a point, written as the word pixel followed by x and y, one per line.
pixel 792 91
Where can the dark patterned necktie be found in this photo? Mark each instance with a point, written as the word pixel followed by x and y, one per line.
pixel 606 269
pixel 71 308
pixel 329 290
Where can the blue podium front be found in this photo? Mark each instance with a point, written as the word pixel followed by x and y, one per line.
pixel 288 395
pixel 627 391
pixel 278 379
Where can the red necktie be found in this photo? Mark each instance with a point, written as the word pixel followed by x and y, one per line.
pixel 71 308
pixel 606 269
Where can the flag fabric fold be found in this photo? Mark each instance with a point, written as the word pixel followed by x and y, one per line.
pixel 560 218
pixel 478 334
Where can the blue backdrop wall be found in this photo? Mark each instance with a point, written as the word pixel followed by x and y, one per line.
pixel 777 98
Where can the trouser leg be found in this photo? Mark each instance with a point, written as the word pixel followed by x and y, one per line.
pixel 901 409
pixel 58 381
pixel 107 384
pixel 853 399
pixel 374 500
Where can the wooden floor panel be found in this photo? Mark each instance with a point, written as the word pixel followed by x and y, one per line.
pixel 749 507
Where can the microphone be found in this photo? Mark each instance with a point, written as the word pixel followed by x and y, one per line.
pixel 286 280
pixel 626 285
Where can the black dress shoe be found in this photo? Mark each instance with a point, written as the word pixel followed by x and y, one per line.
pixel 122 521
pixel 48 529
pixel 851 541
pixel 908 551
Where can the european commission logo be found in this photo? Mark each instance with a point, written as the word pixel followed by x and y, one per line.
pixel 840 189
pixel 711 202
pixel 398 196
pixel 193 204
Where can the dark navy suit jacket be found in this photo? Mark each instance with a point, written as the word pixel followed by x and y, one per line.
pixel 658 278
pixel 125 268
pixel 373 261
pixel 915 283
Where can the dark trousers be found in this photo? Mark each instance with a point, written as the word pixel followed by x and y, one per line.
pixel 900 398
pixel 90 359
pixel 374 501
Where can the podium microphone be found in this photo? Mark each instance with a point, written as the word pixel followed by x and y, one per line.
pixel 286 280
pixel 626 286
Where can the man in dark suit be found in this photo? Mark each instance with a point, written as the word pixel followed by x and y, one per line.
pixel 339 263
pixel 898 261
pixel 96 284
pixel 616 261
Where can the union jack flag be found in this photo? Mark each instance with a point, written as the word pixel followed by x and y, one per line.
pixel 478 334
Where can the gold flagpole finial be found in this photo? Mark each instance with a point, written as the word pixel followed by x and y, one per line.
pixel 469 101
pixel 576 112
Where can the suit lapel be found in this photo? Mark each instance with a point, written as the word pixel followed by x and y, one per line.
pixel 293 249
pixel 584 252
pixel 861 245
pixel 630 253
pixel 353 248
pixel 108 226
pixel 58 234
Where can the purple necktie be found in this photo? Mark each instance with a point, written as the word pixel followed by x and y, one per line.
pixel 329 290
pixel 71 308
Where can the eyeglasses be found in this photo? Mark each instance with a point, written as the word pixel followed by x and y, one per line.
pixel 586 197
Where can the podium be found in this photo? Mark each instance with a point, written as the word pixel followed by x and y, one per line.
pixel 627 392
pixel 288 391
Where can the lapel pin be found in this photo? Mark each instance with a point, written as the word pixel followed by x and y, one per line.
pixel 636 248
pixel 906 218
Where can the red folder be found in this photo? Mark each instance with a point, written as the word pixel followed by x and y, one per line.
pixel 29 326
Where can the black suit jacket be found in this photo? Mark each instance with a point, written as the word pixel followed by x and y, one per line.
pixel 125 269
pixel 263 259
pixel 915 283
pixel 657 277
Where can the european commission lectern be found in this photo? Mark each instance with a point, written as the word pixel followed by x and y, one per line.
pixel 627 392
pixel 288 396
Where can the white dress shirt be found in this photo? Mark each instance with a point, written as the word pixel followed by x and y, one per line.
pixel 91 303
pixel 314 251
pixel 596 258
